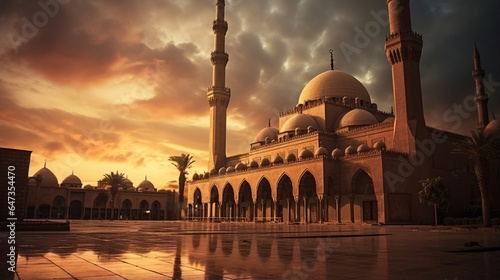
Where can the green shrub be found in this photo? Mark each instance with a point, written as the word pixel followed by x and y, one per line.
pixel 495 221
pixel 448 221
pixel 457 221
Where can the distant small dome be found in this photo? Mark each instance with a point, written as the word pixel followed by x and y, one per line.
pixel 278 160
pixel 350 150
pixel 321 151
pixel 291 157
pixel 213 172
pixel 222 171
pixel 72 181
pixel 254 164
pixel 389 119
pixel 230 169
pixel 311 129
pixel 196 176
pixel 357 117
pixel 362 148
pixel 240 166
pixel 48 178
pixel 301 121
pixel 268 132
pixel 146 186
pixel 337 153
pixel 127 183
pixel 306 154
pixel 88 187
pixel 207 175
pixel 265 162
pixel 334 83
pixel 379 145
pixel 492 127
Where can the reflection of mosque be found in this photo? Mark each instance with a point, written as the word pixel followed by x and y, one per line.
pixel 335 157
pixel 48 199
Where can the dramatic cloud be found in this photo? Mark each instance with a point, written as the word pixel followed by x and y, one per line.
pixel 95 86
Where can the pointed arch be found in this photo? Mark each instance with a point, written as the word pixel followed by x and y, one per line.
pixel 227 206
pixel 363 194
pixel 197 203
pixel 245 202
pixel 58 208
pixel 155 210
pixel 126 208
pixel 214 194
pixel 308 204
pixel 285 201
pixel 264 199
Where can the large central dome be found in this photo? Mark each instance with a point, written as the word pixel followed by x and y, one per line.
pixel 334 83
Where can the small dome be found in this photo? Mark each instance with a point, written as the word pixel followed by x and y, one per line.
pixel 379 145
pixel 240 166
pixel 389 119
pixel 254 164
pixel 207 175
pixel 196 176
pixel 334 83
pixel 48 178
pixel 88 187
pixel 72 180
pixel 230 169
pixel 363 148
pixel 350 150
pixel 301 121
pixel 278 160
pixel 265 162
pixel 222 171
pixel 306 154
pixel 337 153
pixel 127 183
pixel 146 186
pixel 321 151
pixel 357 117
pixel 291 157
pixel 492 127
pixel 310 129
pixel 213 172
pixel 268 132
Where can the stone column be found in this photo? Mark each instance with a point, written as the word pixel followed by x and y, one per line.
pixel 306 220
pixel 351 204
pixel 275 205
pixel 296 214
pixel 337 205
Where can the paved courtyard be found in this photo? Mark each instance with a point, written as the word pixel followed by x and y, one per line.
pixel 196 250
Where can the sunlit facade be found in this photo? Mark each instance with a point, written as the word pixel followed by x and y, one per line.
pixel 334 157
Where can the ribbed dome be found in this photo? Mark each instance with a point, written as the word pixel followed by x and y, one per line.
pixel 363 148
pixel 72 180
pixel 321 151
pixel 265 162
pixel 389 119
pixel 306 154
pixel 337 153
pixel 334 83
pixel 146 186
pixel 379 146
pixel 357 117
pixel 268 132
pixel 350 150
pixel 492 127
pixel 230 169
pixel 222 171
pixel 301 121
pixel 240 166
pixel 48 178
pixel 278 159
pixel 196 176
pixel 254 164
pixel 213 172
pixel 291 157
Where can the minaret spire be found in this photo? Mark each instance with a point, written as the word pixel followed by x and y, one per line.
pixel 218 94
pixel 331 59
pixel 480 97
pixel 403 48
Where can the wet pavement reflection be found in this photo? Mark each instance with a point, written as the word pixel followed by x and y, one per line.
pixel 177 250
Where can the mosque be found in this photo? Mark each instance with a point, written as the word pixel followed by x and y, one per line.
pixel 335 157
pixel 47 199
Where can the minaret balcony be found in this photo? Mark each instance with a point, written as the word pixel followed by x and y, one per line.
pixel 220 26
pixel 219 57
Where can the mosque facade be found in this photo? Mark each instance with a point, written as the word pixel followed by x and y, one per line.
pixel 48 199
pixel 335 157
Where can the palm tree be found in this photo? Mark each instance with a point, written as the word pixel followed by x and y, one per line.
pixel 481 147
pixel 182 163
pixel 115 180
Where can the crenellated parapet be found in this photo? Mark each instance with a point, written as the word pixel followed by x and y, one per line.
pixel 219 58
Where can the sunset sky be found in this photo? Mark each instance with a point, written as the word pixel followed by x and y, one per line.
pixel 99 86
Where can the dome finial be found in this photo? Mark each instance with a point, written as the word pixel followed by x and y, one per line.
pixel 44 163
pixel 269 123
pixel 331 58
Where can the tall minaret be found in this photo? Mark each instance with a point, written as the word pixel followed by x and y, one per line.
pixel 218 95
pixel 481 98
pixel 403 48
